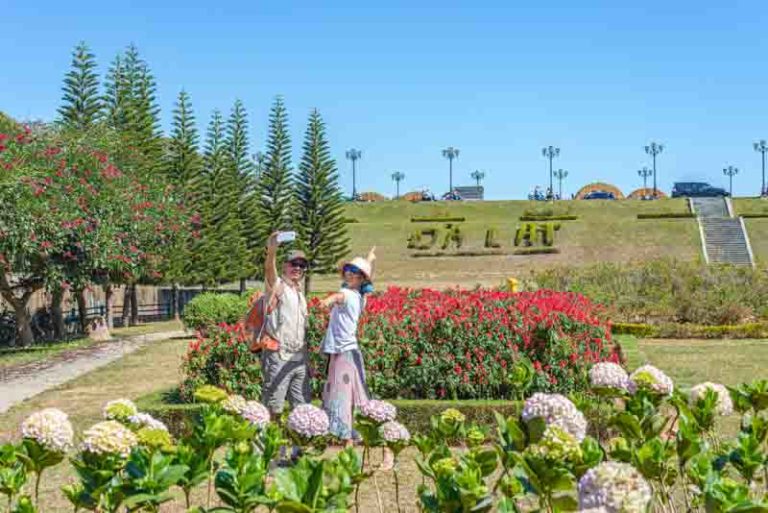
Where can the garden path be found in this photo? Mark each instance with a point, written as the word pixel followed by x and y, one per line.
pixel 24 381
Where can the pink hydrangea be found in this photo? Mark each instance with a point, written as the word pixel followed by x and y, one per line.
pixel 378 411
pixel 556 410
pixel 608 375
pixel 616 487
pixel 650 378
pixel 308 421
pixel 393 432
pixel 255 413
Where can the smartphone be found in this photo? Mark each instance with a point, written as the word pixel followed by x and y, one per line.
pixel 286 237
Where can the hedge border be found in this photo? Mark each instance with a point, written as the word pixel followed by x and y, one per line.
pixel 668 215
pixel 549 218
pixel 350 220
pixel 754 215
pixel 536 251
pixel 428 219
pixel 681 330
pixel 414 414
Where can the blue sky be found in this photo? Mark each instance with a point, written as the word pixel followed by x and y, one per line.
pixel 402 80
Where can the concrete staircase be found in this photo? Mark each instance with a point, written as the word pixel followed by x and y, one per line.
pixel 724 239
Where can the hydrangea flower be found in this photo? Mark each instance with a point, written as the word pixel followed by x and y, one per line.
pixel 145 420
pixel 452 416
pixel 394 432
pixel 445 466
pixel 50 428
pixel 308 421
pixel 616 487
pixel 154 438
pixel 557 444
pixel 556 410
pixel 724 401
pixel 255 413
pixel 609 375
pixel 120 409
pixel 475 437
pixel 109 437
pixel 378 411
pixel 234 404
pixel 652 379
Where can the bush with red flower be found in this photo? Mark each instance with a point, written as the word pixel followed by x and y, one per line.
pixel 460 344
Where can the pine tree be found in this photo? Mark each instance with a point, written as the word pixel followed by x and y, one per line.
pixel 81 106
pixel 117 95
pixel 221 254
pixel 274 189
pixel 319 201
pixel 183 163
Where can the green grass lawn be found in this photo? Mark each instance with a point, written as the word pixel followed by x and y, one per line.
pixel 19 356
pixel 605 231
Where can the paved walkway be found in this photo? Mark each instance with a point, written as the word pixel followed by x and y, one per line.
pixel 24 381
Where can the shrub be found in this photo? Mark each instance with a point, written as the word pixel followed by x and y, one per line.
pixel 536 251
pixel 224 359
pixel 437 219
pixel 667 291
pixel 667 215
pixel 460 253
pixel 548 210
pixel 754 215
pixel 549 218
pixel 491 236
pixel 210 309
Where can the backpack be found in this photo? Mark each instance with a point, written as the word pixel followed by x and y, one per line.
pixel 260 307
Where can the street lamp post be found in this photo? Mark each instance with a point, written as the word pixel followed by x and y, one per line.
pixel 644 174
pixel 397 176
pixel 762 147
pixel 560 174
pixel 730 172
pixel 551 152
pixel 354 155
pixel 654 149
pixel 477 176
pixel 450 153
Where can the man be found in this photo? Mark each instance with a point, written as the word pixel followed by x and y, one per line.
pixel 286 370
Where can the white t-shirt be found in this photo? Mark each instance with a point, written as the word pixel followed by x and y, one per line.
pixel 341 335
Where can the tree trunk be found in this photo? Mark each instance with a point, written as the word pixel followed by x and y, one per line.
pixel 109 298
pixel 175 302
pixel 126 305
pixel 82 310
pixel 134 306
pixel 23 324
pixel 57 315
pixel 307 283
pixel 242 285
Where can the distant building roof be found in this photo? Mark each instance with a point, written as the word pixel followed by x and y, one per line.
pixel 470 192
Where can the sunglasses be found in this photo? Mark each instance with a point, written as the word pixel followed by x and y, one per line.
pixel 299 265
pixel 349 268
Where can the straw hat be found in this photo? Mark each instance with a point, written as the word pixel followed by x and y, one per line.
pixel 362 264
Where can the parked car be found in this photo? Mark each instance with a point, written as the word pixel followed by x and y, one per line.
pixel 697 190
pixel 451 196
pixel 599 195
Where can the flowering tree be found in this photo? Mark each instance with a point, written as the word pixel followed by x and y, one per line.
pixel 77 210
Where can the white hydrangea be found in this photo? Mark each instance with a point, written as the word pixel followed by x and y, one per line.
pixel 234 404
pixel 109 437
pixel 394 432
pixel 308 421
pixel 255 413
pixel 145 420
pixel 650 378
pixel 50 428
pixel 609 375
pixel 120 409
pixel 556 410
pixel 378 411
pixel 616 487
pixel 724 402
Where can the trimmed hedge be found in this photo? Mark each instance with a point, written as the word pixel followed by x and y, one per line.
pixel 674 330
pixel 438 219
pixel 414 414
pixel 439 254
pixel 536 251
pixel 667 215
pixel 349 220
pixel 754 215
pixel 548 218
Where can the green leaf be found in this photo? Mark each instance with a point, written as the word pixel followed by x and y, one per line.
pixel 565 502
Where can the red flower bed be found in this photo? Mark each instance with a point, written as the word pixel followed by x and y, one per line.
pixel 463 344
pixel 466 344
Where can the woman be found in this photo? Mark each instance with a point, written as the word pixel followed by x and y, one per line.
pixel 346 388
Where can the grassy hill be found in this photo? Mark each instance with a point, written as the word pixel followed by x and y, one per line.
pixel 756 228
pixel 604 231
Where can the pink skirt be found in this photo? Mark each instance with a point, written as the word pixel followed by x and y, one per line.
pixel 344 391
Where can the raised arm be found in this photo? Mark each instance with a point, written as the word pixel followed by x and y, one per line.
pixel 270 265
